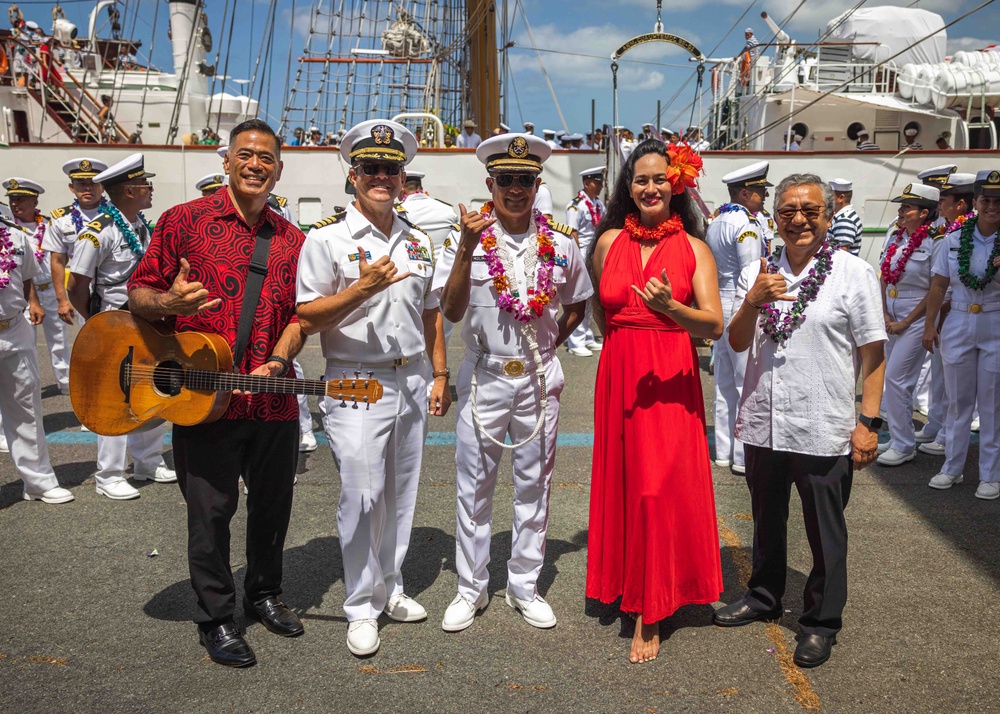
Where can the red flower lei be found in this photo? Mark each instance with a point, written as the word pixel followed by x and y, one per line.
pixel 39 235
pixel 656 233
pixel 891 275
pixel 595 214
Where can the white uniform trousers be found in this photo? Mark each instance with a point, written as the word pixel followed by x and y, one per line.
pixel 305 416
pixel 56 336
pixel 970 347
pixel 937 412
pixel 146 448
pixel 378 452
pixel 730 368
pixel 584 333
pixel 21 408
pixel 904 357
pixel 922 394
pixel 508 406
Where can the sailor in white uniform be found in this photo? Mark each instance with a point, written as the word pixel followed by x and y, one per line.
pixel 543 201
pixel 583 215
pixel 23 195
pixel 210 184
pixel 529 128
pixel 364 284
pixel 510 381
pixel 970 338
pixel 106 253
pixel 20 385
pixel 550 138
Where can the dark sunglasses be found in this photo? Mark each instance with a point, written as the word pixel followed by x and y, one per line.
pixel 507 180
pixel 371 169
pixel 811 213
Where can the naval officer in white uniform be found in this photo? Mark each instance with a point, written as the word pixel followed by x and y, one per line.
pixel 20 386
pixel 970 338
pixel 108 249
pixel 510 381
pixel 583 215
pixel 364 284
pixel 737 238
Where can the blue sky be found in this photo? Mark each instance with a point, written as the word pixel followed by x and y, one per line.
pixel 577 37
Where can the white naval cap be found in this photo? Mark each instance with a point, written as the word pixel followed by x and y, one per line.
pixel 665 130
pixel 528 124
pixel 17 186
pixel 212 181
pixel 863 132
pixel 919 194
pixel 504 126
pixel 938 174
pixel 576 137
pixel 988 183
pixel 379 140
pixel 561 132
pixel 549 132
pixel 749 29
pixel 521 153
pixel 753 175
pixel 842 185
pixel 31 25
pixel 125 170
pixel 223 150
pixel 910 131
pixel 648 125
pixel 412 174
pixel 958 184
pixel 83 168
pixel 595 172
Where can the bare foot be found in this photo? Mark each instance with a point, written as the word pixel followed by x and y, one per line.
pixel 645 641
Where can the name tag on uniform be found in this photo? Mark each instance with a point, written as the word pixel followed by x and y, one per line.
pixel 355 257
pixel 479 259
pixel 562 261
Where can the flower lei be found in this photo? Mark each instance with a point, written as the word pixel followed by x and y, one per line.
pixel 39 235
pixel 973 282
pixel 656 233
pixel 595 213
pixel 7 262
pixel 499 262
pixel 892 275
pixel 732 208
pixel 77 217
pixel 959 222
pixel 779 326
pixel 130 237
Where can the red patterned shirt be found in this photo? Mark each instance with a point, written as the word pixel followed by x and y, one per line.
pixel 217 243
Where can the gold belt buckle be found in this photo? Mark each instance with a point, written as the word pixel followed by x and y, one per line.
pixel 893 293
pixel 4 324
pixel 514 368
pixel 400 362
pixel 975 308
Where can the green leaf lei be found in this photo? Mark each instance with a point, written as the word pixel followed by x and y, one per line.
pixel 973 282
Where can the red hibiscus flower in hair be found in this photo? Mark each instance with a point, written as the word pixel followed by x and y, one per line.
pixel 685 166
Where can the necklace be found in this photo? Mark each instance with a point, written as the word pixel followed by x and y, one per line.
pixel 39 235
pixel 501 264
pixel 77 217
pixel 130 237
pixel 655 234
pixel 891 275
pixel 595 213
pixel 779 326
pixel 732 208
pixel 959 222
pixel 7 262
pixel 973 282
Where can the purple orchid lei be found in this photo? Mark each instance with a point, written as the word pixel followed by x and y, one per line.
pixel 7 262
pixel 778 325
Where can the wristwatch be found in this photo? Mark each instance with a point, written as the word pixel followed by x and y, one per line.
pixel 874 423
pixel 446 373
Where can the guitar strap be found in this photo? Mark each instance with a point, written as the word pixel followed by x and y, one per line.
pixel 255 281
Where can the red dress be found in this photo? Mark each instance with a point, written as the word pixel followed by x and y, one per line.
pixel 653 537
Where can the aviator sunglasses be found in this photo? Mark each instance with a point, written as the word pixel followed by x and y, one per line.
pixel 507 180
pixel 372 169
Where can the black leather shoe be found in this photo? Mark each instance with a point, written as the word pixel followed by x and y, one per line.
pixel 740 613
pixel 275 616
pixel 226 646
pixel 813 650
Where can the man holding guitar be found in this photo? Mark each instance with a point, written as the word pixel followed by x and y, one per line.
pixel 205 258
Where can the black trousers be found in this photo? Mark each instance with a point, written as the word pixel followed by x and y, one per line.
pixel 824 485
pixel 210 459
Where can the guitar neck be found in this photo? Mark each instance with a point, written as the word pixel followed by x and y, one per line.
pixel 223 382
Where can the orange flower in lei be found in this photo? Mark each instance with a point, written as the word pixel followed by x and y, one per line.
pixel 685 167
pixel 656 233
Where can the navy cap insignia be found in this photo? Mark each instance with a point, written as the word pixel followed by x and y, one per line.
pixel 13 185
pixel 908 189
pixel 382 134
pixel 994 177
pixel 85 165
pixel 217 178
pixel 518 148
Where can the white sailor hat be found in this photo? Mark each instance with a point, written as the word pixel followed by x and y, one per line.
pixel 412 174
pixel 223 150
pixel 561 133
pixel 752 175
pixel 988 183
pixel 125 170
pixel 210 182
pixel 83 168
pixel 31 25
pixel 648 125
pixel 504 126
pixel 314 130
pixel 549 132
pixel 911 131
pixel 593 173
pixel 748 30
pixel 522 153
pixel 379 140
pixel 576 137
pixel 842 185
pixel 937 175
pixel 920 194
pixel 797 137
pixel 22 187
pixel 665 130
pixel 958 185
pixel 529 124
pixel 863 132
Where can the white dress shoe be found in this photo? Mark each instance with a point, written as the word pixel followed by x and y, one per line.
pixel 884 446
pixel 931 447
pixel 307 444
pixel 923 436
pixel 57 495
pixel 161 475
pixel 536 613
pixel 362 637
pixel 4 449
pixel 83 428
pixel 461 613
pixel 580 352
pixel 944 481
pixel 594 346
pixel 988 491
pixel 974 426
pixel 891 457
pixel 722 463
pixel 739 469
pixel 119 491
pixel 403 608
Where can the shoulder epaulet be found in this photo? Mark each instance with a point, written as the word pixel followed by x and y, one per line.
pixel 60 212
pixel 939 232
pixel 561 228
pixel 338 215
pixel 101 222
pixel 765 213
pixel 277 201
pixel 398 207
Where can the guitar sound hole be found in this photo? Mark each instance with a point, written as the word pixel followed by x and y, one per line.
pixel 168 378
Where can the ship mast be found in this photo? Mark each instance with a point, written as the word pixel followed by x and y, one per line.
pixel 484 80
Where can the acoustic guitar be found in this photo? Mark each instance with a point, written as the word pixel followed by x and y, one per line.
pixel 125 372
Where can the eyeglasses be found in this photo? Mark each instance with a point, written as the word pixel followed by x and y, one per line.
pixel 374 169
pixel 811 213
pixel 145 184
pixel 507 180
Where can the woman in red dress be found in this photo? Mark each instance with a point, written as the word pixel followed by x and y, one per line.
pixel 653 537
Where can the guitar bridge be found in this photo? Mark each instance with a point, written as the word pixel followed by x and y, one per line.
pixel 125 375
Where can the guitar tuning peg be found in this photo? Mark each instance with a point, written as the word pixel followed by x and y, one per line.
pixel 343 404
pixel 357 374
pixel 354 406
pixel 344 373
pixel 371 374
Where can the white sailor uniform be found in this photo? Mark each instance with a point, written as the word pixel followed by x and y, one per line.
pixel 103 255
pixel 543 200
pixel 583 215
pixel 507 402
pixel 970 350
pixel 378 451
pixel 437 219
pixel 736 238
